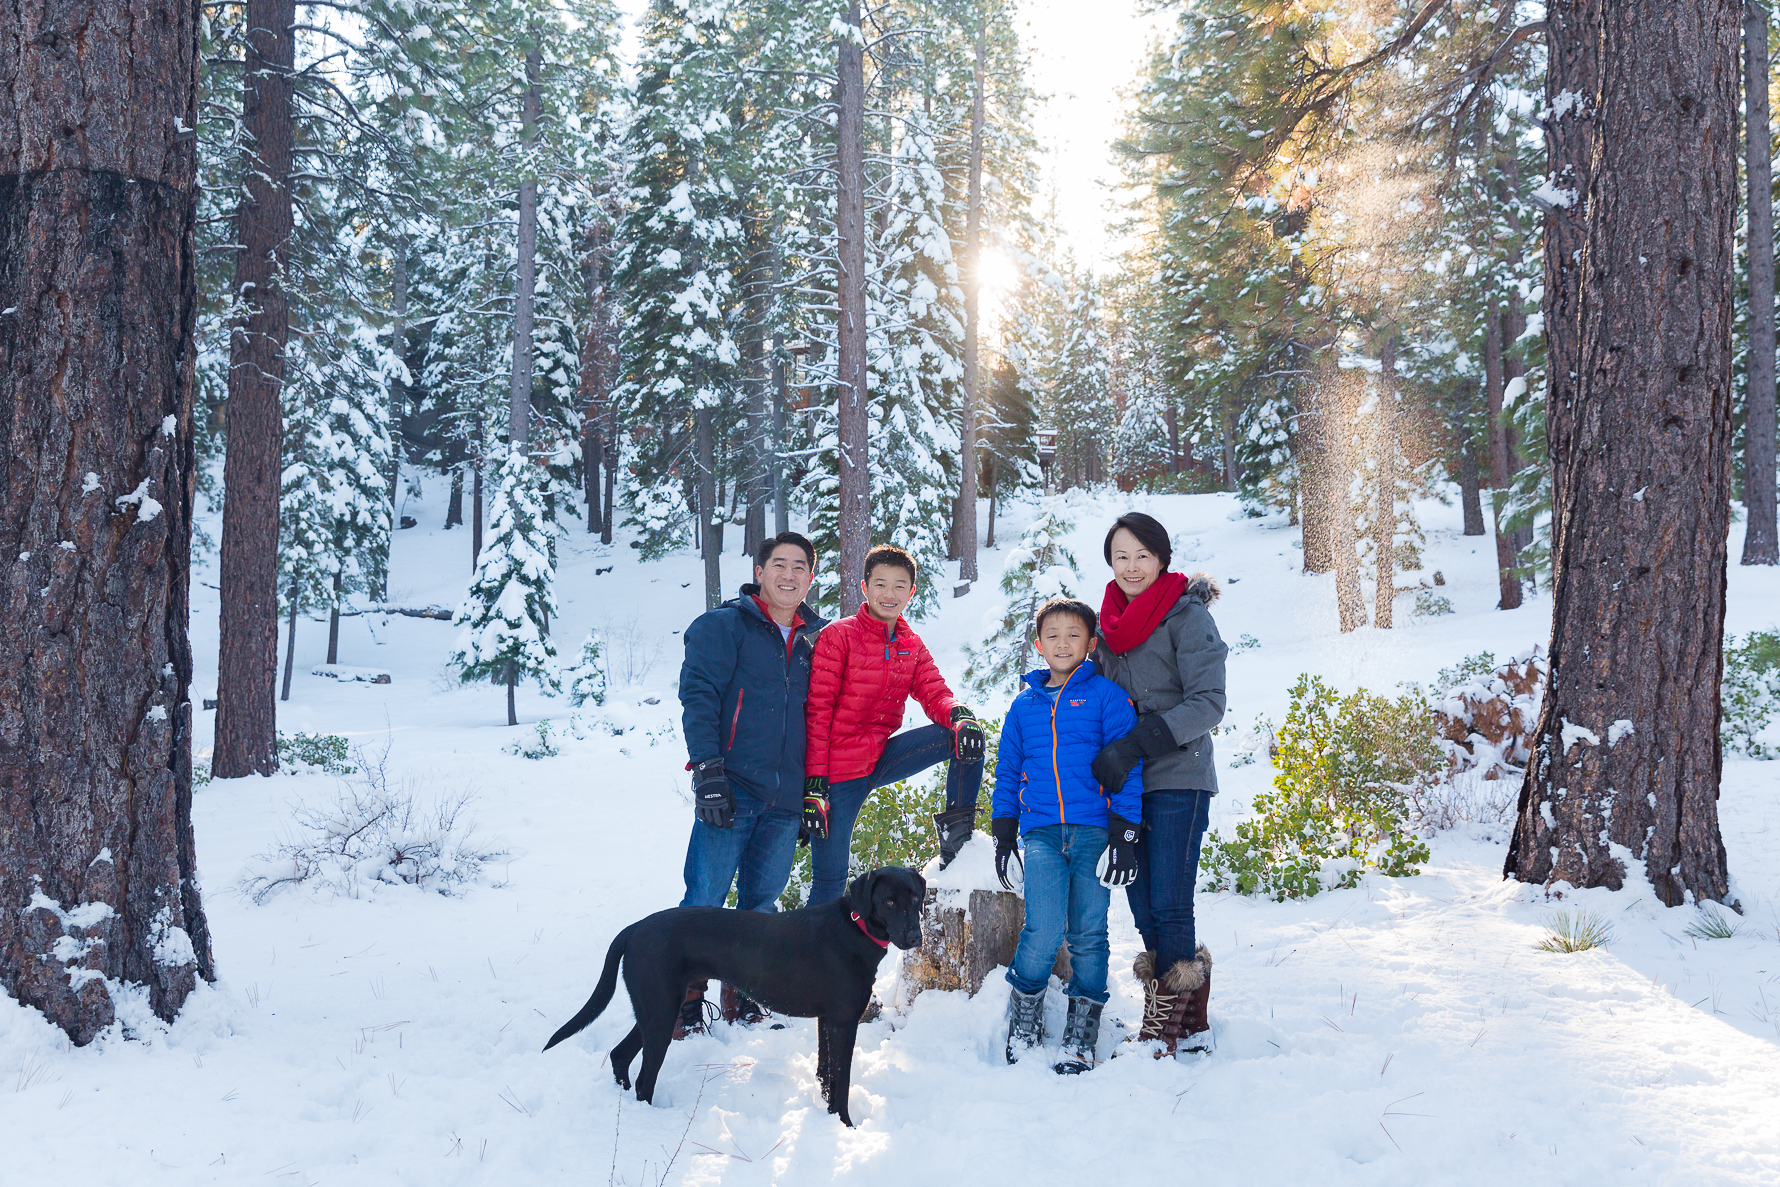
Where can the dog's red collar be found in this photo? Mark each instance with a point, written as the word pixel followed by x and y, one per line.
pixel 867 931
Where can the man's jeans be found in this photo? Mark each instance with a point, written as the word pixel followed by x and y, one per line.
pixel 759 848
pixel 1064 900
pixel 906 754
pixel 1167 867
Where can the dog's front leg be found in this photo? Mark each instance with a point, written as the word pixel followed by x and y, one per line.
pixel 835 1051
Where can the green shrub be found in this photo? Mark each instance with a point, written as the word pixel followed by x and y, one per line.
pixel 302 754
pixel 1340 802
pixel 1429 604
pixel 1473 667
pixel 1575 931
pixel 544 747
pixel 895 827
pixel 1751 691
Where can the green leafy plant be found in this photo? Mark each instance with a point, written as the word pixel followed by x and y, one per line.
pixel 1575 931
pixel 1429 604
pixel 1473 667
pixel 303 754
pixel 1339 806
pixel 895 827
pixel 544 747
pixel 1751 692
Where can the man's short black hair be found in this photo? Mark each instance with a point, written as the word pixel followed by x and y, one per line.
pixel 765 552
pixel 1078 610
pixel 890 554
pixel 1151 534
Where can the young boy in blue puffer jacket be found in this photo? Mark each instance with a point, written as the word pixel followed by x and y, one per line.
pixel 1080 838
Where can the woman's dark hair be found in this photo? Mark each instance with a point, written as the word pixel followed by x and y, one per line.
pixel 1152 535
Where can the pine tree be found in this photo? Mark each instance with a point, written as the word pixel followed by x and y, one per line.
pixel 585 679
pixel 507 613
pixel 1038 569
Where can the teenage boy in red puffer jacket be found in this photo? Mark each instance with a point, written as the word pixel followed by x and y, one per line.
pixel 864 670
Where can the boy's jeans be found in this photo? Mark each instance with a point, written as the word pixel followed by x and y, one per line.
pixel 906 754
pixel 1167 866
pixel 1064 899
pixel 759 850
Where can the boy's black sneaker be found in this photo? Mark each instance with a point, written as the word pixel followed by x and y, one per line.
pixel 1081 1034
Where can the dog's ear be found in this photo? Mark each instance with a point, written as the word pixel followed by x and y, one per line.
pixel 859 894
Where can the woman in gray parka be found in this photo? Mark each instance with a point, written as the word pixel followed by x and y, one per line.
pixel 1159 643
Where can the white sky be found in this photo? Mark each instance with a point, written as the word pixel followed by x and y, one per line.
pixel 1084 52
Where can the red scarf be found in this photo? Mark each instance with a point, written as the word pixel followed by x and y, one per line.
pixel 1127 623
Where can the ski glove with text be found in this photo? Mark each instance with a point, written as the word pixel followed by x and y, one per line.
pixel 969 743
pixel 815 807
pixel 1149 738
pixel 1118 864
pixel 1009 866
pixel 711 797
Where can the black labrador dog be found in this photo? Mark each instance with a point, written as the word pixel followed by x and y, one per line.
pixel 817 962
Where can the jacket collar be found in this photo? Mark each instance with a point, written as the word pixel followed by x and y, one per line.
pixel 871 622
pixel 1042 676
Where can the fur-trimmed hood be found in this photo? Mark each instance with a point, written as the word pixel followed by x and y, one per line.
pixel 1205 587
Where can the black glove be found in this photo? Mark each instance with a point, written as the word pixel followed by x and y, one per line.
pixel 1148 739
pixel 969 743
pixel 1006 831
pixel 815 807
pixel 711 796
pixel 1118 865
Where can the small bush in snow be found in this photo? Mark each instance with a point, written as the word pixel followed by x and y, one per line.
pixel 1339 806
pixel 544 747
pixel 1038 569
pixel 585 679
pixel 369 833
pixel 1751 691
pixel 1471 668
pixel 1429 604
pixel 895 827
pixel 1713 924
pixel 1464 798
pixel 1575 931
pixel 305 754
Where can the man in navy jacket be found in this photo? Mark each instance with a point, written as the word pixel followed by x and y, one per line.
pixel 742 692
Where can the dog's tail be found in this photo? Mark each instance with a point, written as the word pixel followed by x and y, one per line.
pixel 602 993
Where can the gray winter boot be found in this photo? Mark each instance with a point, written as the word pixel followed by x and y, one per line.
pixel 1025 1021
pixel 1081 1033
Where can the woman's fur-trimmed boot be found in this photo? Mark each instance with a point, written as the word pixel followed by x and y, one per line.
pixel 1144 969
pixel 1025 1021
pixel 1185 1025
pixel 1081 1034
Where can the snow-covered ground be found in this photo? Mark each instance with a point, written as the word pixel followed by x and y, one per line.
pixel 1406 1031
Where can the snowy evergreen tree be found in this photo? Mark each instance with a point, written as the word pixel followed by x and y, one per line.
pixel 1078 400
pixel 585 679
pixel 1038 569
pixel 507 613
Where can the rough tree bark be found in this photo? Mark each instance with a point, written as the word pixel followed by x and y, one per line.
pixel 1470 499
pixel 1507 579
pixel 1384 514
pixel 454 503
pixel 1232 471
pixel 1761 545
pixel 247 661
pixel 519 391
pixel 710 525
pixel 756 380
pixel 1626 757
pixel 1337 401
pixel 851 394
pixel 98 881
pixel 290 643
pixel 973 303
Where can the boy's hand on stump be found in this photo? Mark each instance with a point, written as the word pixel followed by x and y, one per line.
pixel 1006 831
pixel 969 743
pixel 815 807
pixel 1118 865
pixel 711 797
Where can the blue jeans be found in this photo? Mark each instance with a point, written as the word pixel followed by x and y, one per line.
pixel 906 754
pixel 756 855
pixel 1167 867
pixel 1064 900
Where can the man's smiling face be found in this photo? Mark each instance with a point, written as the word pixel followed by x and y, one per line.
pixel 785 579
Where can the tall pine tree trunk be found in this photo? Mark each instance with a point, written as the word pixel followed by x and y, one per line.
pixel 1761 544
pixel 1384 514
pixel 756 379
pixel 1626 756
pixel 1232 472
pixel 1507 563
pixel 710 530
pixel 1313 483
pixel 476 495
pixel 247 661
pixel 1350 603
pixel 973 302
pixel 851 394
pixel 994 490
pixel 454 503
pixel 611 471
pixel 290 643
pixel 781 397
pixel 519 392
pixel 334 620
pixel 98 880
pixel 1470 500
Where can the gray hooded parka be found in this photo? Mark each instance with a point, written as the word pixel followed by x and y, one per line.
pixel 1178 672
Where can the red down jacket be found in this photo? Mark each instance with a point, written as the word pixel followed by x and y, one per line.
pixel 861 678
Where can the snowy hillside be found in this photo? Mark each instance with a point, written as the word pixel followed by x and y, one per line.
pixel 1407 1031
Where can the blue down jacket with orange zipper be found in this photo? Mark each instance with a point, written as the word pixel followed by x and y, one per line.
pixel 1046 748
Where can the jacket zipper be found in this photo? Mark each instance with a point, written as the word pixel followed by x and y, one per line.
pixel 736 718
pixel 1056 775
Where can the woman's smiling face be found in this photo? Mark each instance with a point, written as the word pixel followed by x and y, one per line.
pixel 1134 567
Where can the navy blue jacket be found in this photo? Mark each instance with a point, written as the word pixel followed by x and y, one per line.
pixel 1047 747
pixel 742 693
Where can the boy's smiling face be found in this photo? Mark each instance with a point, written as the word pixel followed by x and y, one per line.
pixel 888 590
pixel 1064 641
